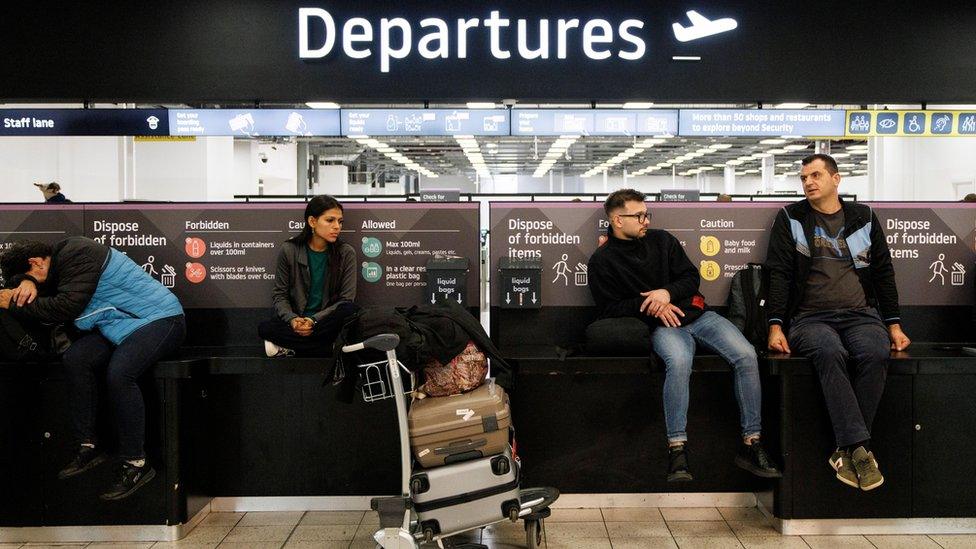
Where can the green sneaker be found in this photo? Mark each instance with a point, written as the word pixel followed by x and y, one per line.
pixel 868 475
pixel 840 461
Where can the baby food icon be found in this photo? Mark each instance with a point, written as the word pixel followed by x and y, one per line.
pixel 709 245
pixel 195 247
pixel 195 272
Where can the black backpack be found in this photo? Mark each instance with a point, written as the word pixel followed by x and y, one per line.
pixel 372 321
pixel 26 342
pixel 747 303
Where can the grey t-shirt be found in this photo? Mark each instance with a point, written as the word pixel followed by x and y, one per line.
pixel 832 283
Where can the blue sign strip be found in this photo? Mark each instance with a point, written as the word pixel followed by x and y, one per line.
pixel 762 123
pixel 600 122
pixel 480 122
pixel 425 122
pixel 255 122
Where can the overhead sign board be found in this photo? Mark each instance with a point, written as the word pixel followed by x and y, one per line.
pixel 66 122
pixel 254 122
pixel 609 122
pixel 915 123
pixel 684 195
pixel 425 122
pixel 761 123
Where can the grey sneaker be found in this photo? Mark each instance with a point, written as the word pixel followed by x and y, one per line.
pixel 841 462
pixel 868 475
pixel 273 350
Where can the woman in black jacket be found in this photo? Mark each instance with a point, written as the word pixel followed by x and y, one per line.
pixel 315 285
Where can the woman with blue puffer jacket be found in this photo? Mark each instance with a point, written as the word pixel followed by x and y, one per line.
pixel 129 322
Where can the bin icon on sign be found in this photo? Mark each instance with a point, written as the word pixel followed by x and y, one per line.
pixel 580 275
pixel 958 276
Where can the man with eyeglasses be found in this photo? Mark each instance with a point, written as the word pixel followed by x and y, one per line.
pixel 645 273
pixel 832 298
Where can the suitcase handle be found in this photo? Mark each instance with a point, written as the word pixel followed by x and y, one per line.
pixel 461 446
pixel 465 456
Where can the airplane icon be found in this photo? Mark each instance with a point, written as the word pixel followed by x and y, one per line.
pixel 701 27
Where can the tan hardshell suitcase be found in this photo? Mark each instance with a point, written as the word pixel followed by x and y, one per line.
pixel 456 428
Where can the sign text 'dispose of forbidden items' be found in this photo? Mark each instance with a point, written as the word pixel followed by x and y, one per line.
pixel 224 255
pixel 937 240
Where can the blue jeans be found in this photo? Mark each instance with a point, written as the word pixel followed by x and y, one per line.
pixel 92 354
pixel 849 350
pixel 676 347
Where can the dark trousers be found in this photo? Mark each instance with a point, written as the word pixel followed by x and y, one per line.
pixel 92 354
pixel 850 350
pixel 324 333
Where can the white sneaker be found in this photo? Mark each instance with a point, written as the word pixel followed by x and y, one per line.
pixel 273 350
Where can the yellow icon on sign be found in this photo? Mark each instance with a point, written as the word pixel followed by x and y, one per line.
pixel 709 245
pixel 709 270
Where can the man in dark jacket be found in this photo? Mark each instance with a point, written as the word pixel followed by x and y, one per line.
pixel 830 276
pixel 129 322
pixel 645 273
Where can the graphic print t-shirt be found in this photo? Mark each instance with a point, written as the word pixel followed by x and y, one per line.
pixel 833 283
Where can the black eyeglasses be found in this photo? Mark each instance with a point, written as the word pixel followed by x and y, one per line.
pixel 641 217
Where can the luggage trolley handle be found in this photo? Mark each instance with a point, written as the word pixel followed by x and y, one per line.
pixel 388 344
pixel 381 342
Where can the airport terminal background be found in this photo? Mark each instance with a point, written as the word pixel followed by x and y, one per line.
pixel 197 158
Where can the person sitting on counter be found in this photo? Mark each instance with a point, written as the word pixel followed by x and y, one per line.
pixel 315 285
pixel 831 295
pixel 645 273
pixel 129 321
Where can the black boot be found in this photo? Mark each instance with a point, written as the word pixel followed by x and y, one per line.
pixel 87 458
pixel 678 464
pixel 130 478
pixel 753 458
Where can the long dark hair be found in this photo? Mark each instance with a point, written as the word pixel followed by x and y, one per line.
pixel 317 206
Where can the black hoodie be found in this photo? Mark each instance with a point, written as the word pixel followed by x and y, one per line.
pixel 621 269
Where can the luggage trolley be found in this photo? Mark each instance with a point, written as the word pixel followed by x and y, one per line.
pixel 402 524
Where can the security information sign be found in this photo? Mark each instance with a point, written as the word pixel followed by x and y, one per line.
pixel 425 122
pixel 447 280
pixel 254 122
pixel 521 283
pixel 42 223
pixel 594 122
pixel 911 123
pixel 933 245
pixel 932 248
pixel 225 255
pixel 759 123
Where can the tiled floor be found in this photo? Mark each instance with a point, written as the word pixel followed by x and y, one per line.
pixel 619 528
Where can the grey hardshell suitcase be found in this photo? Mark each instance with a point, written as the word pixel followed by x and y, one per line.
pixel 466 495
pixel 450 429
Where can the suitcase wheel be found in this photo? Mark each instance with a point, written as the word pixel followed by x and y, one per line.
pixel 533 534
pixel 500 466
